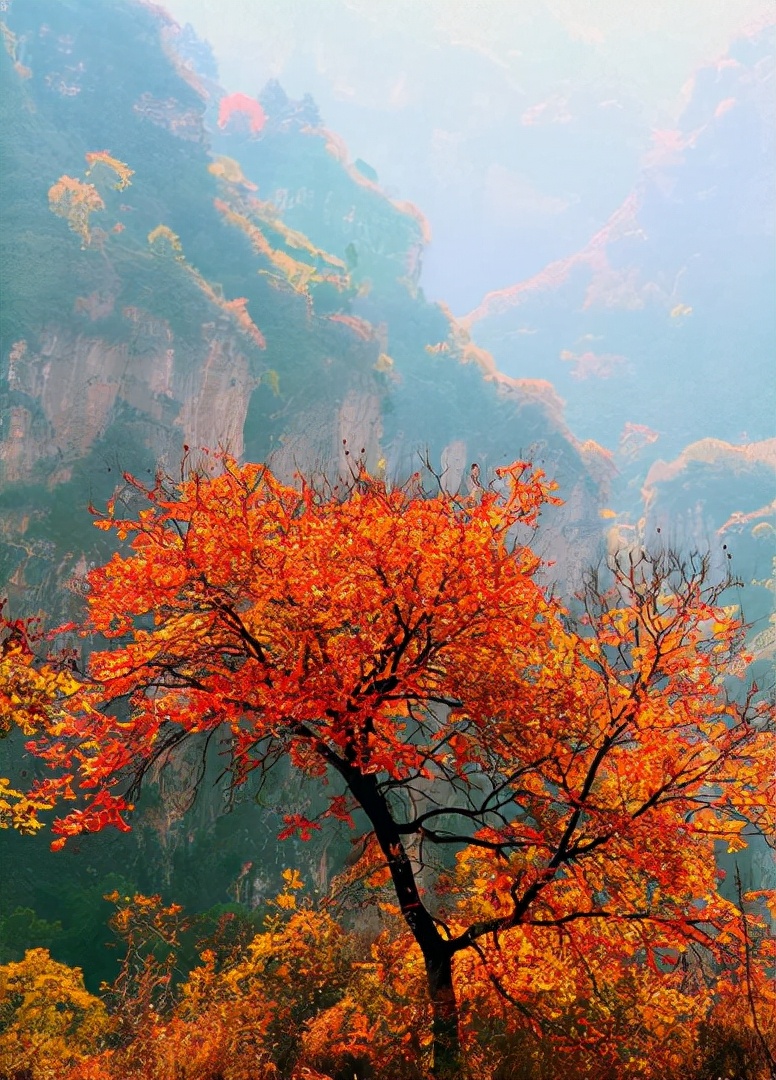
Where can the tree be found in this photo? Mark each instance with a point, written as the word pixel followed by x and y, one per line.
pixel 47 1017
pixel 75 201
pixel 401 650
pixel 29 696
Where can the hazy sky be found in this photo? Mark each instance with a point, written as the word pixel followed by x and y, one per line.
pixel 653 42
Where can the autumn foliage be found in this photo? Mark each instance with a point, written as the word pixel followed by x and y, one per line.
pixel 75 201
pixel 241 105
pixel 120 174
pixel 542 788
pixel 30 693
pixel 305 999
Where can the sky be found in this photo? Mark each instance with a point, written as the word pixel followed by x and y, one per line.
pixel 654 44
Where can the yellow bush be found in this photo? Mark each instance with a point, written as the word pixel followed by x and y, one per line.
pixel 48 1020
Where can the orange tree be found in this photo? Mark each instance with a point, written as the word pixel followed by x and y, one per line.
pixel 400 649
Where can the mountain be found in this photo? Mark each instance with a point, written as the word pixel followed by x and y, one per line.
pixel 186 267
pixel 182 268
pixel 517 127
pixel 664 318
pixel 721 499
pixel 269 306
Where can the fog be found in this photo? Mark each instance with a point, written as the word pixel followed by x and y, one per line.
pixel 517 127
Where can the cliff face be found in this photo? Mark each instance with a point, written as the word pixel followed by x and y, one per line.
pixel 721 499
pixel 717 501
pixel 72 388
pixel 97 337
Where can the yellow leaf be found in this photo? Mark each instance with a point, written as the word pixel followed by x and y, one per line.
pixel 293 879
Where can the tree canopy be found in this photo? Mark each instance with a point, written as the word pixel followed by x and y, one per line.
pixel 580 763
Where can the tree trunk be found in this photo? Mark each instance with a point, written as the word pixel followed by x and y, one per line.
pixel 446 1041
pixel 436 950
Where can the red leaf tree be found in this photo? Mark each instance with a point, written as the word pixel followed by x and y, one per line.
pixel 401 648
pixel 241 104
